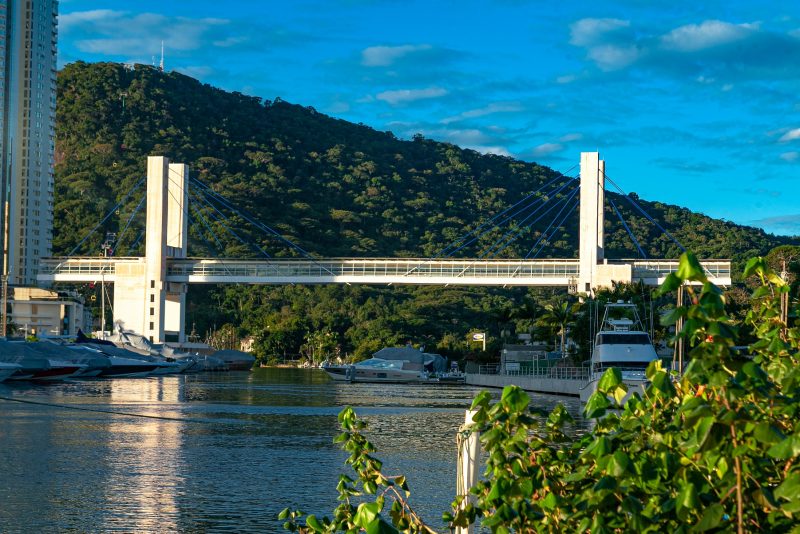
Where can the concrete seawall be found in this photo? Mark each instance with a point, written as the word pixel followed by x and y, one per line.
pixel 555 386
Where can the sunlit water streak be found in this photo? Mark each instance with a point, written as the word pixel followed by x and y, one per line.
pixel 234 449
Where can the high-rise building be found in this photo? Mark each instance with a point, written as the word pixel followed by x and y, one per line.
pixel 28 31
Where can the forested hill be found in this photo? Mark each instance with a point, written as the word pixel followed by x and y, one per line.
pixel 335 188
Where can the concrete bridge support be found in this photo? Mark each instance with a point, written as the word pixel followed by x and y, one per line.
pixel 143 299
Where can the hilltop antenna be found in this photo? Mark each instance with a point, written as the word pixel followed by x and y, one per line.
pixel 161 64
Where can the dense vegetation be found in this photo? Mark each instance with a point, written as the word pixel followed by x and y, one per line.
pixel 332 187
pixel 712 450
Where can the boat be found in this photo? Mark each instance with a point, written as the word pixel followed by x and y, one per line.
pixel 8 369
pixel 33 365
pixel 236 360
pixel 622 343
pixel 399 365
pixel 377 370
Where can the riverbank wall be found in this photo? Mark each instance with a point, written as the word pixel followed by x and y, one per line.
pixel 538 384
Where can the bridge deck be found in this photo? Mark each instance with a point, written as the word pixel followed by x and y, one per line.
pixel 551 272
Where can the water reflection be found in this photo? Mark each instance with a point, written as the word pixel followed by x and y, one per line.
pixel 232 450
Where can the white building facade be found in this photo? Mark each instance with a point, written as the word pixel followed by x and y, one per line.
pixel 28 33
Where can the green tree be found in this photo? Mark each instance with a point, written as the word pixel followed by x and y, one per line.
pixel 558 316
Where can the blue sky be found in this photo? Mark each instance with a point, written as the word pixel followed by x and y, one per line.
pixel 691 103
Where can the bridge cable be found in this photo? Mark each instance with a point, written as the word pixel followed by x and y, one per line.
pixel 503 221
pixel 449 253
pixel 222 200
pixel 556 227
pixel 135 243
pixel 201 218
pixel 130 219
pixel 543 201
pixel 108 215
pixel 641 210
pixel 627 228
pixel 517 232
pixel 222 219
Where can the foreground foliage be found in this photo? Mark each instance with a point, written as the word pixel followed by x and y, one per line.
pixel 712 450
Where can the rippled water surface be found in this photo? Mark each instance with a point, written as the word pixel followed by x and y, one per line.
pixel 222 452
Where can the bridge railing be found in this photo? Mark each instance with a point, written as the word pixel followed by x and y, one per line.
pixel 661 268
pixel 83 266
pixel 557 372
pixel 410 268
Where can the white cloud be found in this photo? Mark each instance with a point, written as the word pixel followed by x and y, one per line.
pixel 402 96
pixel 567 78
pixel 123 33
pixel 790 156
pixel 693 37
pixel 791 135
pixel 196 71
pixel 546 149
pixel 570 137
pixel 383 56
pixel 587 32
pixel 613 57
pixel 68 21
pixel 481 112
pixel 496 150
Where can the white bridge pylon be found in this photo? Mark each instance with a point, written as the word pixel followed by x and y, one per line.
pixel 150 291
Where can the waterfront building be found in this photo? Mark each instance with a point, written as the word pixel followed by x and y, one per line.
pixel 46 313
pixel 28 31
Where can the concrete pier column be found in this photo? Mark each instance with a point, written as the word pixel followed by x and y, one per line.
pixel 177 239
pixel 591 219
pixel 143 300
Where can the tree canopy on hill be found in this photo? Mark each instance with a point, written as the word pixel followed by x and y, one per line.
pixel 333 187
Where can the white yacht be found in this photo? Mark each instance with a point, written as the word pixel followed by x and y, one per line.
pixel 390 364
pixel 623 343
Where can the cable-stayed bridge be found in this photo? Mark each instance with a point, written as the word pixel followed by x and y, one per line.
pixel 150 291
pixel 413 271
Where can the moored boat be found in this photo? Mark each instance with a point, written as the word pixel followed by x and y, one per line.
pixel 8 369
pixel 391 364
pixel 622 343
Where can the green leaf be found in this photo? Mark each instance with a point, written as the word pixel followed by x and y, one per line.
pixel 596 406
pixel 687 501
pixel 481 399
pixel 712 518
pixel 611 378
pixel 515 398
pixel 790 488
pixel 618 464
pixel 670 284
pixel 689 268
pixel 766 433
pixel 599 447
pixel 703 428
pixel 379 526
pixel 314 523
pixel 550 502
pixel 366 513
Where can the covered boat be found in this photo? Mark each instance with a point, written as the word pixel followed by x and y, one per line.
pixel 391 364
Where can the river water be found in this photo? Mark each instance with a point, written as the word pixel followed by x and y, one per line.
pixel 215 452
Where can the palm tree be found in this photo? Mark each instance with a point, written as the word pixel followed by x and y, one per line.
pixel 559 315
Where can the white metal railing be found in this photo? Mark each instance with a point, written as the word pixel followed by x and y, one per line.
pixel 371 270
pixel 83 266
pixel 406 268
pixel 556 372
pixel 661 268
